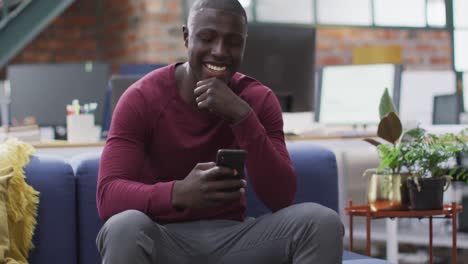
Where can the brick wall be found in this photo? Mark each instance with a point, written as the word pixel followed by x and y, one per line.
pixel 149 31
pixel 142 31
pixel 420 49
pixel 113 31
pixel 71 37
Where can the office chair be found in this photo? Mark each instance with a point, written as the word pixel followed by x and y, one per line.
pixel 446 109
pixel 116 87
pixel 128 74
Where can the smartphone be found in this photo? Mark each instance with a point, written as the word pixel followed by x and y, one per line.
pixel 232 158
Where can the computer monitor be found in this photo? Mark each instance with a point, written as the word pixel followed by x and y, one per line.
pixel 447 109
pixel 4 101
pixel 350 94
pixel 418 88
pixel 44 90
pixel 139 68
pixel 282 57
pixel 465 91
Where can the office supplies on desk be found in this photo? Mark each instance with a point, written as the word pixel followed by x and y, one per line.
pixel 80 123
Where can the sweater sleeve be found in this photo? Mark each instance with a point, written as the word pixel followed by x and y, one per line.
pixel 120 186
pixel 268 164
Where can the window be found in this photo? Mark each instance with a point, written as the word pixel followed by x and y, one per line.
pixel 344 12
pixel 436 16
pixel 460 10
pixel 400 13
pixel 285 11
pixel 380 13
pixel 465 91
pixel 461 50
pixel 460 43
pixel 247 4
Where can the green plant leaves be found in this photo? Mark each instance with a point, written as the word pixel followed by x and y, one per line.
pixel 386 104
pixel 390 128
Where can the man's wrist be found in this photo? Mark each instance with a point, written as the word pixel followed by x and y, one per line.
pixel 241 114
pixel 177 203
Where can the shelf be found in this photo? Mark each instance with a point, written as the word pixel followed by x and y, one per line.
pixel 364 210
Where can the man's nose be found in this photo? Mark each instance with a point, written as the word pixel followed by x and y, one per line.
pixel 219 48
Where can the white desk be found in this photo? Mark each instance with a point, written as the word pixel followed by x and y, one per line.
pixel 67 150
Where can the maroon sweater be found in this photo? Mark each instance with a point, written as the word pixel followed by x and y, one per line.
pixel 156 138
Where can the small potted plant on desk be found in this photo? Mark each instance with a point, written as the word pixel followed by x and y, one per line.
pixel 431 162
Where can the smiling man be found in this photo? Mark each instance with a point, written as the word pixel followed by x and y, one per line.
pixel 163 198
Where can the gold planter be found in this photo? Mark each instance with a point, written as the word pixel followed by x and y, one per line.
pixel 387 192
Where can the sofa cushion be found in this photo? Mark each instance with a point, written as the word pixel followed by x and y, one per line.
pixel 86 168
pixel 56 223
pixel 319 185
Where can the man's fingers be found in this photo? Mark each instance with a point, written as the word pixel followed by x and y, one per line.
pixel 201 98
pixel 205 81
pixel 222 185
pixel 205 166
pixel 225 196
pixel 217 173
pixel 201 89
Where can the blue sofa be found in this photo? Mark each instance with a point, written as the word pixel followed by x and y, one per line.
pixel 68 221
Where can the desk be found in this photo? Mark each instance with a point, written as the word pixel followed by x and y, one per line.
pixel 449 211
pixel 65 144
pixel 67 150
pixel 329 136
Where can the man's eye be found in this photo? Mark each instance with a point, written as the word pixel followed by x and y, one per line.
pixel 235 41
pixel 205 37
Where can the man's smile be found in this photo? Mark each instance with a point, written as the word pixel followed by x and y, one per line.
pixel 214 69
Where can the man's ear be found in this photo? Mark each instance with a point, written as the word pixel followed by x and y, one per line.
pixel 186 35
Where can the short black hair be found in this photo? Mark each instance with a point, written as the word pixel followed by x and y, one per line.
pixel 228 5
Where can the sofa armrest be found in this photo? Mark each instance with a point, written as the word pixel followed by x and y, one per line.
pixel 317 177
pixel 55 235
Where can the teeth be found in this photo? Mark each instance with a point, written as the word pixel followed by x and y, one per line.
pixel 216 68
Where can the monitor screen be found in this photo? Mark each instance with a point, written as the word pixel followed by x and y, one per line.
pixel 418 89
pixel 282 57
pixel 44 90
pixel 446 109
pixel 119 84
pixel 350 94
pixel 139 68
pixel 465 91
pixel 4 100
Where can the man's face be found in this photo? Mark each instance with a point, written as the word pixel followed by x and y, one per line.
pixel 215 40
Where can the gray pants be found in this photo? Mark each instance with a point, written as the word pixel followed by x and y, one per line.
pixel 302 233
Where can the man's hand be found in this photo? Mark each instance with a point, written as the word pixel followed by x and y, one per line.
pixel 215 96
pixel 206 186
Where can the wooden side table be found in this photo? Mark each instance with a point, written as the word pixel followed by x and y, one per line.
pixel 449 211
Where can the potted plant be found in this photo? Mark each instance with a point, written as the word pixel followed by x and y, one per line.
pixel 431 162
pixel 416 167
pixel 387 184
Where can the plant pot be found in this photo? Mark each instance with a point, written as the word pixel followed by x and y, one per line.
pixel 387 192
pixel 430 196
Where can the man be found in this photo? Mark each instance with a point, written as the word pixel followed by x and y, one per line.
pixel 164 199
